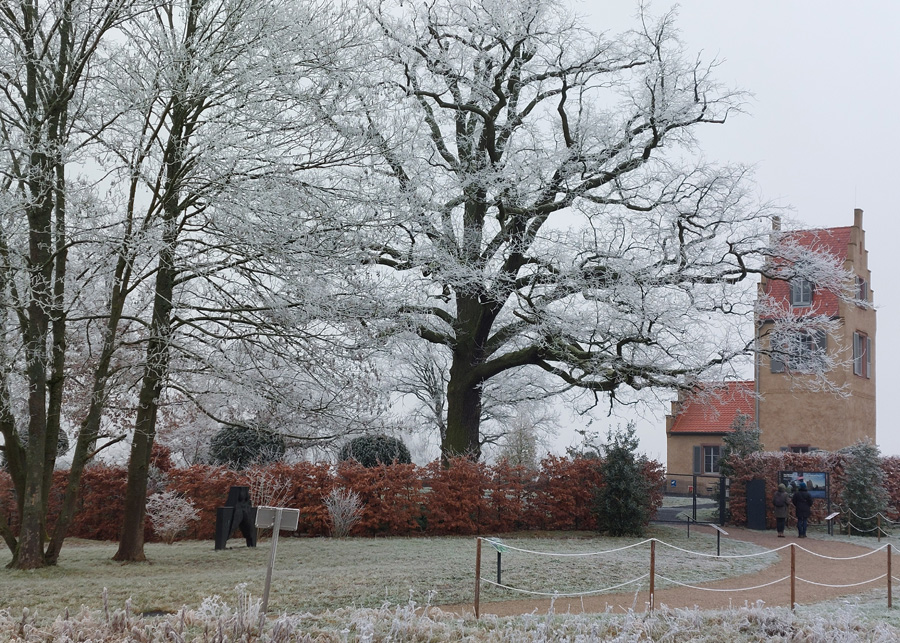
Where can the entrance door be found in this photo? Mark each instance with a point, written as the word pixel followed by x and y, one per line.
pixel 756 504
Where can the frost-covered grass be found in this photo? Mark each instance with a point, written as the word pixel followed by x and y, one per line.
pixel 318 574
pixel 218 620
pixel 686 501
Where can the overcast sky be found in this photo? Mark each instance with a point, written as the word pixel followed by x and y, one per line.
pixel 823 133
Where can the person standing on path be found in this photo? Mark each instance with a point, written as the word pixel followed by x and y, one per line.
pixel 780 502
pixel 802 501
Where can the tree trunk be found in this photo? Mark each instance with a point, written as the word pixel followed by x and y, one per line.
pixel 463 413
pixel 90 428
pixel 131 544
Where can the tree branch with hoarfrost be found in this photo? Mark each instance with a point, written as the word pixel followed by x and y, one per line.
pixel 537 197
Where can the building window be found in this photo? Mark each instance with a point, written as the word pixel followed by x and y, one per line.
pixel 799 448
pixel 862 289
pixel 862 355
pixel 711 459
pixel 800 352
pixel 801 292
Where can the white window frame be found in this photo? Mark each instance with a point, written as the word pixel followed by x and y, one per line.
pixel 711 456
pixel 862 289
pixel 800 352
pixel 862 354
pixel 801 292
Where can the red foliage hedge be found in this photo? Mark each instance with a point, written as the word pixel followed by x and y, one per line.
pixel 463 498
pixel 766 466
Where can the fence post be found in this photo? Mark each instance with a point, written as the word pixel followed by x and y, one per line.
pixel 879 527
pixel 652 571
pixel 793 575
pixel 890 597
pixel 477 575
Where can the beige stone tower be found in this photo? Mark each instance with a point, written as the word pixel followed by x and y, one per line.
pixel 794 418
pixel 792 415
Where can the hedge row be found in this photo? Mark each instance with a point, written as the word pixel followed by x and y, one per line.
pixel 766 466
pixel 402 499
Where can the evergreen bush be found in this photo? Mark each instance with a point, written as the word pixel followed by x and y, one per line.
pixel 623 504
pixel 864 495
pixel 238 447
pixel 375 450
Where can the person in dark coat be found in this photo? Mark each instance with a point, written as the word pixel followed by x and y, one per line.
pixel 780 501
pixel 802 506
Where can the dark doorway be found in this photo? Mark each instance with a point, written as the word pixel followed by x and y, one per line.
pixel 756 504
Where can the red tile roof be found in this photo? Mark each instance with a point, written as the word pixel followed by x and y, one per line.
pixel 713 409
pixel 833 240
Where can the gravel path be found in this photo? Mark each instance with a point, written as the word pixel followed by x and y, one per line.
pixel 809 566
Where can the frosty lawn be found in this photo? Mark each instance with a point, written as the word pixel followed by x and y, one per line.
pixel 317 574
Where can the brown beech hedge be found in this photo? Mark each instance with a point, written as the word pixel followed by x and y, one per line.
pixel 399 500
pixel 765 466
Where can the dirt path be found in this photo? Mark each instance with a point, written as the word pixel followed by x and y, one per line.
pixel 808 566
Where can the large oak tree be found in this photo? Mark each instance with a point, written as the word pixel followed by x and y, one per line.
pixel 538 198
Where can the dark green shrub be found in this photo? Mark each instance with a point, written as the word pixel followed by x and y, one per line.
pixel 864 495
pixel 623 503
pixel 373 450
pixel 238 447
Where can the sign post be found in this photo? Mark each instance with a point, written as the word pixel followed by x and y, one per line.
pixel 276 518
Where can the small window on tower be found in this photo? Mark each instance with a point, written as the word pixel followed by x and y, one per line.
pixel 862 289
pixel 801 292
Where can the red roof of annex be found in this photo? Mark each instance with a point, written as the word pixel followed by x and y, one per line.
pixel 714 409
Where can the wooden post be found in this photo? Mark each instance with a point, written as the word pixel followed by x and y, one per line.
pixel 879 527
pixel 477 575
pixel 793 575
pixel 890 597
pixel 652 571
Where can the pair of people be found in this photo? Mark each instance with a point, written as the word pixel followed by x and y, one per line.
pixel 802 501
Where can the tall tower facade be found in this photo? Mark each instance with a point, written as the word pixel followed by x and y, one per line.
pixel 792 415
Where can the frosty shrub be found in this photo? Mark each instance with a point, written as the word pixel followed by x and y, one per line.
pixel 170 514
pixel 374 450
pixel 864 493
pixel 344 510
pixel 623 503
pixel 268 489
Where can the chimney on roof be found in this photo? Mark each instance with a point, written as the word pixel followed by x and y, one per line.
pixel 857 217
pixel 776 222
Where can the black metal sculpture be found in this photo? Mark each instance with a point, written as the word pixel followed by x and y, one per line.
pixel 237 513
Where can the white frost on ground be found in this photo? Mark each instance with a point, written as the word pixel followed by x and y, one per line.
pixel 218 621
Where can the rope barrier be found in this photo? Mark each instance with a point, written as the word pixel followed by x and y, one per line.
pixel 582 554
pixel 703 554
pixel 714 589
pixel 874 551
pixel 558 594
pixel 841 586
pixel 652 575
pixel 872 517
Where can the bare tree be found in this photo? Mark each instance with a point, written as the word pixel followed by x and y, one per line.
pixel 229 125
pixel 48 53
pixel 539 201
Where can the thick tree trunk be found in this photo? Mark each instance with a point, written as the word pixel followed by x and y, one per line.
pixel 463 419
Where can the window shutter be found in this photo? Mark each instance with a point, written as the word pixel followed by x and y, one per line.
pixel 698 459
pixel 857 354
pixel 777 364
pixel 868 357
